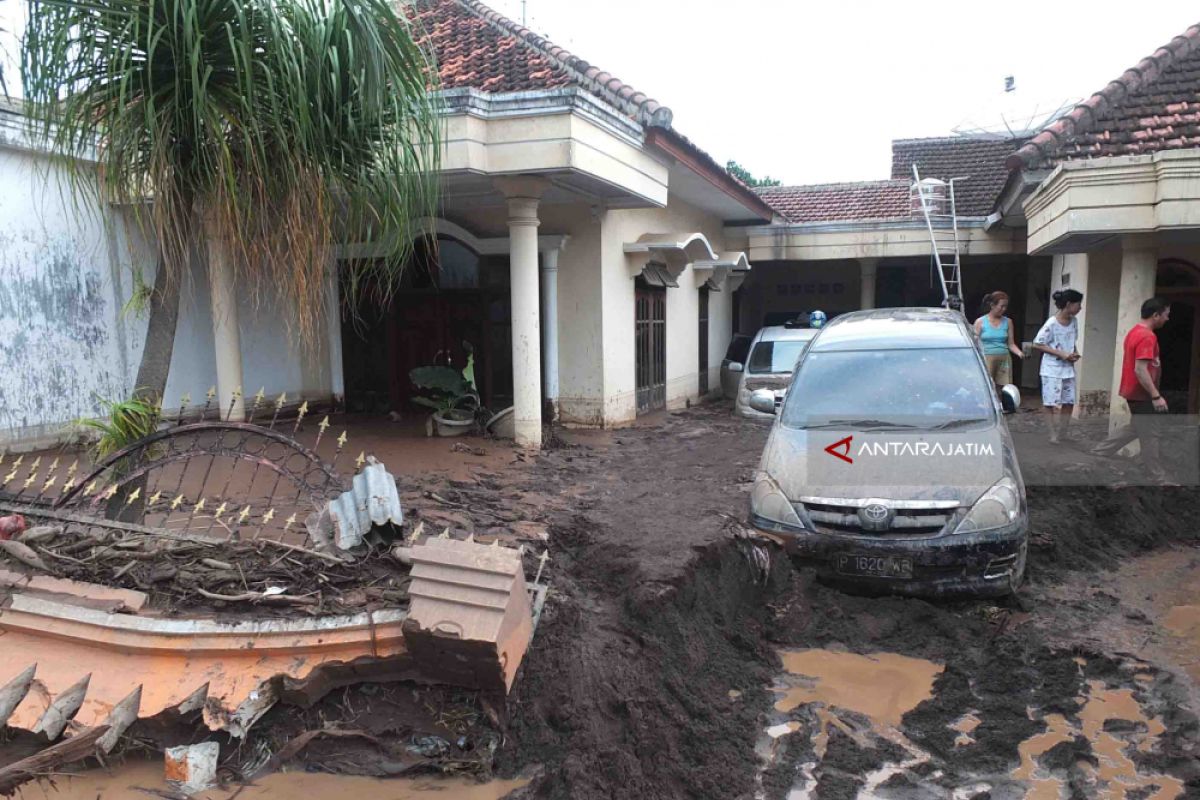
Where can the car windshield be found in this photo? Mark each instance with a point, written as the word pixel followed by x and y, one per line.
pixel 932 388
pixel 775 356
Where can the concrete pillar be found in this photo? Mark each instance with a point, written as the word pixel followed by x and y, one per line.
pixel 868 268
pixel 227 340
pixel 550 323
pixel 333 300
pixel 1139 268
pixel 522 195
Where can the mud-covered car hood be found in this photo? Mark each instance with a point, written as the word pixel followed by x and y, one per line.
pixel 955 465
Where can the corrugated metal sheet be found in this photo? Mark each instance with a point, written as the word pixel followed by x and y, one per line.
pixel 371 500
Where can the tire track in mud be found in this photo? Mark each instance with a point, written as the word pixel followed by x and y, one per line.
pixel 651 672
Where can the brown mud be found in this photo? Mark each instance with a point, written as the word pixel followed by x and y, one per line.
pixel 661 663
pixel 650 674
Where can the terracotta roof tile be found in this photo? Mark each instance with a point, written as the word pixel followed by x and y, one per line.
pixel 479 48
pixel 1151 107
pixel 835 202
pixel 980 160
pixel 476 47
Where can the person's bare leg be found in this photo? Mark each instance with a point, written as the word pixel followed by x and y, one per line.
pixel 1052 423
pixel 1064 419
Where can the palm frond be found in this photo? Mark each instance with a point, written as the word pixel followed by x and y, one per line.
pixel 281 127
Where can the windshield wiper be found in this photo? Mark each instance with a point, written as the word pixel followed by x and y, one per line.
pixel 858 423
pixel 956 423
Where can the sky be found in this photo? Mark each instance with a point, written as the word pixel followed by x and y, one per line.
pixel 814 92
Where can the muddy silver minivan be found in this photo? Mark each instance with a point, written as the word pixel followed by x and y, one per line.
pixel 890 463
pixel 771 362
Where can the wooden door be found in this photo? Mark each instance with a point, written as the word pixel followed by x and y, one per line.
pixel 650 357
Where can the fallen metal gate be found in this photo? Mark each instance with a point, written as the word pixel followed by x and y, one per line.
pixel 211 477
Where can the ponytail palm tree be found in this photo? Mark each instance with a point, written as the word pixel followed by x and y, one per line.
pixel 258 133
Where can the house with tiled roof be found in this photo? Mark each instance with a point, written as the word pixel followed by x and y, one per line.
pixel 847 246
pixel 596 262
pixel 1110 193
pixel 580 253
pixel 1103 199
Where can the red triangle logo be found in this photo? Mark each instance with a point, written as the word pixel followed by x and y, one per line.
pixel 842 445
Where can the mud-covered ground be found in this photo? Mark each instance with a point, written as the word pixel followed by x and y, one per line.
pixel 677 660
pixel 656 668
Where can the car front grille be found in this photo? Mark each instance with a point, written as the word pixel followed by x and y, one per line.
pixel 909 519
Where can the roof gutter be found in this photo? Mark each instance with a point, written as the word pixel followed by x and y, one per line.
pixel 699 162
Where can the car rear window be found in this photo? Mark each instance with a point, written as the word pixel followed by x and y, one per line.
pixel 775 356
pixel 925 387
pixel 738 348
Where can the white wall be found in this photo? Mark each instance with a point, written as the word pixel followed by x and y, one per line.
pixel 66 270
pixel 683 378
pixel 273 357
pixel 61 347
pixel 1097 275
pixel 580 322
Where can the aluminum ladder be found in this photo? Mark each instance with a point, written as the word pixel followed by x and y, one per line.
pixel 936 201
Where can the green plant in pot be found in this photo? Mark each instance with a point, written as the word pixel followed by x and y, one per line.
pixel 453 396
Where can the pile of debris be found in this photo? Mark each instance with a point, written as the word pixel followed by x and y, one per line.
pixel 181 573
pixel 121 635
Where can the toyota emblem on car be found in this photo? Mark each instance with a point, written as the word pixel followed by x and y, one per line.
pixel 875 517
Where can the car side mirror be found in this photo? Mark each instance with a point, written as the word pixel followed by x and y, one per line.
pixel 1010 398
pixel 763 400
pixel 736 366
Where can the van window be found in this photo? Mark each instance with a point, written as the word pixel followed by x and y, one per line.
pixel 925 388
pixel 778 356
pixel 739 347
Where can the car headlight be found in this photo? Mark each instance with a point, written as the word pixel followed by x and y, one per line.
pixel 769 504
pixel 999 507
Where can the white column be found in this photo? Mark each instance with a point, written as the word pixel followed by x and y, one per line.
pixel 226 338
pixel 1139 268
pixel 550 323
pixel 868 267
pixel 333 300
pixel 526 339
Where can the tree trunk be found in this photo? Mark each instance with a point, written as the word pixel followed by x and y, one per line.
pixel 151 381
pixel 160 336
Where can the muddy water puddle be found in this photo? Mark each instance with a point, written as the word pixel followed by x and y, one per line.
pixel 144 779
pixel 865 697
pixel 842 690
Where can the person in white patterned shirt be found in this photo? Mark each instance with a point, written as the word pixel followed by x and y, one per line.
pixel 1056 341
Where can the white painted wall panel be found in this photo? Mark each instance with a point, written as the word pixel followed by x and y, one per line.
pixel 59 346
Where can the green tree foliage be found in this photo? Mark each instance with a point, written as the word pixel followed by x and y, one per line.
pixel 742 174
pixel 271 128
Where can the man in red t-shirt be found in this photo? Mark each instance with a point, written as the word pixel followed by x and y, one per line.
pixel 1141 369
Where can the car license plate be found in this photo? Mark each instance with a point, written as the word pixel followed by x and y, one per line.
pixel 874 566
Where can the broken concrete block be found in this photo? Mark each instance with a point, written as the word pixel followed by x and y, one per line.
pixel 192 768
pixel 469 621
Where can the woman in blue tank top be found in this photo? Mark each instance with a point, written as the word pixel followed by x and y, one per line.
pixel 995 332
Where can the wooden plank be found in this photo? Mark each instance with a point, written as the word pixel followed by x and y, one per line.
pixel 49 760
